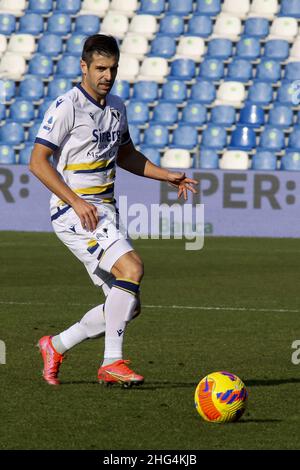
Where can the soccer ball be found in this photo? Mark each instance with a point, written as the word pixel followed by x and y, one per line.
pixel 221 397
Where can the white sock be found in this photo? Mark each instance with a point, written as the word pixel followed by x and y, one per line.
pixel 92 325
pixel 118 310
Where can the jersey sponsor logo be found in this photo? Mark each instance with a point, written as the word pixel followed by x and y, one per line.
pixel 106 137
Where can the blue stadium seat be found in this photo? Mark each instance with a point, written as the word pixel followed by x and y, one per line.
pixel 281 116
pixel 137 112
pixel 203 92
pixel 294 139
pixel 135 134
pixel 68 67
pixel 171 25
pixel 43 107
pixel 194 113
pixel 12 133
pixel 32 88
pixel 58 86
pixel 209 159
pixel 41 65
pixel 298 118
pixel 182 69
pixel 152 153
pixel 256 27
pixel 211 69
pixel 290 8
pixel 242 138
pixel 214 137
pixel 25 154
pixel 184 137
pixel 175 91
pixel 145 90
pixel 152 7
pixel 87 24
pixel 59 23
pixel 248 48
pixel 180 7
pixel 268 71
pixel 219 48
pixel 223 115
pixel 285 94
pixel 42 7
pixel 31 23
pixel 163 46
pixel 292 71
pixel 264 160
pixel 156 136
pixel 33 130
pixel 276 49
pixel 252 115
pixel 200 25
pixel 121 88
pixel 210 8
pixel 272 138
pixel 239 70
pixel 7 155
pixel 2 112
pixel 70 7
pixel 260 93
pixel 7 24
pixel 21 111
pixel 290 161
pixel 50 44
pixel 75 44
pixel 7 90
pixel 165 113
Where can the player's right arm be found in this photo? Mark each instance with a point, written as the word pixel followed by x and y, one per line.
pixel 40 166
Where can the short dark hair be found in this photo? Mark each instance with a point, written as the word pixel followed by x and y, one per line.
pixel 102 44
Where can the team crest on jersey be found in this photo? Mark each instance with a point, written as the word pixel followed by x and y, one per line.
pixel 116 114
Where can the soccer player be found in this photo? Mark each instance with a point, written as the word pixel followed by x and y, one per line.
pixel 86 132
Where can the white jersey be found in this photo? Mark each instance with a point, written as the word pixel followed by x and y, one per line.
pixel 85 137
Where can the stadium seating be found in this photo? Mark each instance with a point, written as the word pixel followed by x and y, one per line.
pixel 204 76
pixel 176 158
pixel 25 154
pixel 12 133
pixel 7 155
pixel 152 153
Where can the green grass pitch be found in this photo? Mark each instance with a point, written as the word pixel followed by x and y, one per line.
pixel 234 305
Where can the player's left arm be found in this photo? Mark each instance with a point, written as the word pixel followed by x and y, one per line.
pixel 130 159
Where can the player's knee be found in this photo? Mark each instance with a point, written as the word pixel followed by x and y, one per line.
pixel 133 271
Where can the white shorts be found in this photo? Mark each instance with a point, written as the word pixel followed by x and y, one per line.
pixel 98 250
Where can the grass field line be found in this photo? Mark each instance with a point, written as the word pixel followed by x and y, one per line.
pixel 173 307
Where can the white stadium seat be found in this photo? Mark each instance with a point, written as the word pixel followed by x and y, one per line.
pixel 13 7
pixel 176 158
pixel 144 24
pixel 264 8
pixel 190 47
pixel 23 44
pixel 234 160
pixel 231 93
pixel 94 7
pixel 3 44
pixel 154 68
pixel 295 51
pixel 12 66
pixel 128 68
pixel 227 27
pixel 238 8
pixel 128 7
pixel 135 44
pixel 284 28
pixel 115 24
